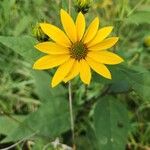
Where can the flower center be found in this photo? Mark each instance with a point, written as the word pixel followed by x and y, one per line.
pixel 78 51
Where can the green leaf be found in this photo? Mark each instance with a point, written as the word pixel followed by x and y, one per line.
pixel 7 6
pixel 52 118
pixel 139 18
pixel 7 124
pixel 22 45
pixel 64 4
pixel 117 75
pixel 111 124
pixel 43 88
pixel 140 82
pixel 91 136
pixel 40 143
pixel 83 143
pixel 121 86
pixel 22 25
pixel 125 79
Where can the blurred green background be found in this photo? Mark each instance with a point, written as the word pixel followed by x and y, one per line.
pixel 21 90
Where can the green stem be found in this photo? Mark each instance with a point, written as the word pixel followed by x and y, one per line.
pixel 136 6
pixel 71 113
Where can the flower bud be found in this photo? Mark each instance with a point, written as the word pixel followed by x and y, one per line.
pixel 147 41
pixel 39 34
pixel 83 5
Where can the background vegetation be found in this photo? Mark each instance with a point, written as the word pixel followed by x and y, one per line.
pixel 106 112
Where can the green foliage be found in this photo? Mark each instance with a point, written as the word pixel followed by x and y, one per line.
pixel 31 110
pixel 64 4
pixel 22 24
pixel 47 122
pixel 43 89
pixel 139 18
pixel 9 123
pixel 22 45
pixel 51 119
pixel 140 82
pixel 111 124
pixel 126 79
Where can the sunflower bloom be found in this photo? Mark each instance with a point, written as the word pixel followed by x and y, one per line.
pixel 76 51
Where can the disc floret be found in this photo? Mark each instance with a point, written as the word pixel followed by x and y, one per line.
pixel 78 50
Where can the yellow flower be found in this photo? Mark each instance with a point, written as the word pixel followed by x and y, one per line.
pixel 78 51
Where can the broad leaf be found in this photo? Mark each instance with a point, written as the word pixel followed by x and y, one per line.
pixel 43 88
pixel 111 124
pixel 121 86
pixel 49 121
pixel 125 79
pixel 22 45
pixel 7 124
pixel 139 82
pixel 52 118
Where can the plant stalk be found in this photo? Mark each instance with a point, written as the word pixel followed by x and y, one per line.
pixel 71 114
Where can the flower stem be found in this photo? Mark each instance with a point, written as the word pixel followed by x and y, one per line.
pixel 71 114
pixel 135 7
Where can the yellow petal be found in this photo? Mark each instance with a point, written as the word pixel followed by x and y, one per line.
pixel 55 34
pixel 52 48
pixel 80 26
pixel 91 31
pixel 62 71
pixel 108 43
pixel 50 61
pixel 85 71
pixel 105 57
pixel 68 25
pixel 73 73
pixel 99 68
pixel 100 36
